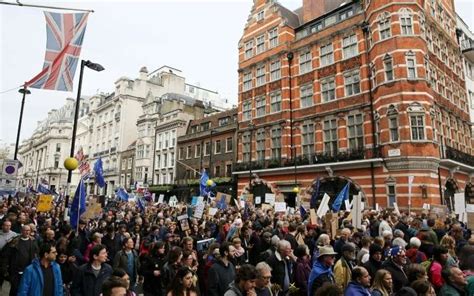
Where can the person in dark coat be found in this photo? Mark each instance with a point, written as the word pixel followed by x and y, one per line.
pixel 112 242
pixel 302 269
pixel 222 272
pixel 91 276
pixel 172 266
pixel 282 266
pixel 375 260
pixel 343 239
pixel 396 264
pixel 127 259
pixel 150 268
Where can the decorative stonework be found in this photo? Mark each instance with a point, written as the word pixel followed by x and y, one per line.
pixel 412 164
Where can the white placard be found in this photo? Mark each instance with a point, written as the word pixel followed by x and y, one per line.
pixel 270 198
pixel 377 207
pixel 362 206
pixel 459 203
pixel 280 207
pixel 185 216
pixel 199 210
pixel 393 152
pixel 212 211
pixel 426 206
pixel 348 204
pixel 323 207
pixel 470 208
pixel 395 207
pixel 356 212
pixel 161 197
pixel 258 200
pixel 173 201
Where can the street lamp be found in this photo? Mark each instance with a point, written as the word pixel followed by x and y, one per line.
pixel 296 190
pixel 95 67
pixel 251 126
pixel 25 92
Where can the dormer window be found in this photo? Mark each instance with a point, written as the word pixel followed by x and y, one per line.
pixel 260 15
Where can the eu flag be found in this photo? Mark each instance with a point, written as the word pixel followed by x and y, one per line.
pixel 341 197
pixel 78 206
pixel 99 173
pixel 203 183
pixel 122 194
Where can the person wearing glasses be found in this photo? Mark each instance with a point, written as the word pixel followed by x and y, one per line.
pixel 43 276
pixel 264 275
pixel 395 263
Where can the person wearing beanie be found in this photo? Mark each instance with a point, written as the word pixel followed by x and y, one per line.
pixel 413 253
pixel 375 260
pixel 302 269
pixel 344 266
pixel 396 265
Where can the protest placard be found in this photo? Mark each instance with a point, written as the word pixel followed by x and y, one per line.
pixel 183 222
pixel 280 207
pixel 212 211
pixel 93 211
pixel 313 217
pixel 45 203
pixel 161 198
pixel 199 210
pixel 270 198
pixel 258 200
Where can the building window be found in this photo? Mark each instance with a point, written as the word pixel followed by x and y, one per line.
pixel 228 145
pixel 249 49
pixel 330 136
pixel 392 196
pixel 224 121
pixel 352 83
pixel 273 37
pixel 305 62
pixel 260 104
pixel 140 151
pixel 217 149
pixel 275 102
pixel 355 131
pixel 171 159
pixel 393 126
pixel 58 147
pixel 328 89
pixel 275 73
pixel 260 75
pixel 276 143
pixel 327 55
pixel 260 15
pixel 349 46
pixel 130 160
pixel 406 23
pixel 165 160
pixel 307 141
pixel 388 68
pixel 197 152
pixel 189 152
pixel 261 145
pixel 411 67
pixel 247 110
pixel 207 148
pixel 246 147
pixel 384 26
pixel 247 81
pixel 260 44
pixel 306 95
pixel 181 153
pixel 228 170
pixel 417 126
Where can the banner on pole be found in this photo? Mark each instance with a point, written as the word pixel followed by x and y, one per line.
pixel 45 203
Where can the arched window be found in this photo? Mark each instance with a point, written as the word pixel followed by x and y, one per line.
pixel 384 25
pixel 406 21
pixel 416 113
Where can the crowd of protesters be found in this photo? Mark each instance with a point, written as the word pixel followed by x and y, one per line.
pixel 247 252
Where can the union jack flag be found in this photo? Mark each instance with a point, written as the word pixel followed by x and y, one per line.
pixel 84 167
pixel 65 33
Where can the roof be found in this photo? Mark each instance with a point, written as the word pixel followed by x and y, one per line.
pixel 292 18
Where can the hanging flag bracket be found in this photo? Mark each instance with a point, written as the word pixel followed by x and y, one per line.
pixel 18 3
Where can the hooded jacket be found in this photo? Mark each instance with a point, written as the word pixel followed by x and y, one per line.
pixel 319 275
pixel 220 276
pixel 356 289
pixel 32 282
pixel 86 283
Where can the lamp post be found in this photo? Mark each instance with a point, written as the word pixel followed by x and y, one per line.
pixel 25 92
pixel 289 56
pixel 95 67
pixel 251 126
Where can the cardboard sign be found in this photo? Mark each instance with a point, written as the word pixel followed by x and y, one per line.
pixel 258 200
pixel 459 203
pixel 249 199
pixel 470 220
pixel 313 217
pixel 279 198
pixel 45 203
pixel 183 221
pixel 270 198
pixel 331 224
pixel 395 208
pixel 438 211
pixel 93 211
pixel 227 197
pixel 280 207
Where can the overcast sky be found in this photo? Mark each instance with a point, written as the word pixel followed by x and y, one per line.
pixel 196 36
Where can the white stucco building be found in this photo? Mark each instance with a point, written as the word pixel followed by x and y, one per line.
pixel 466 41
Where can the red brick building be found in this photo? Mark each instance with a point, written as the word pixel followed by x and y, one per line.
pixel 370 92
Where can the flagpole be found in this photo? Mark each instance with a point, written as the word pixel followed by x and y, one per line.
pixel 25 92
pixel 79 208
pixel 18 3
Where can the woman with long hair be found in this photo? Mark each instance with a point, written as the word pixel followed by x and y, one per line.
pixel 382 283
pixel 423 288
pixel 450 243
pixel 182 284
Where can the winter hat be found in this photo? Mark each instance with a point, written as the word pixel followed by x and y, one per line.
pixel 395 251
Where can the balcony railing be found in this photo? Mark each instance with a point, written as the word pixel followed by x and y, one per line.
pixel 314 158
pixel 459 156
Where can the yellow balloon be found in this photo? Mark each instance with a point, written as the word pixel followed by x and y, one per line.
pixel 209 182
pixel 296 189
pixel 71 163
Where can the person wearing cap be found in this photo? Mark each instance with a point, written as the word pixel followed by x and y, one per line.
pixel 375 260
pixel 360 283
pixel 344 266
pixel 396 265
pixel 322 270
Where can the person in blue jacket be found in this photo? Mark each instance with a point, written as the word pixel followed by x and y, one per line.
pixel 359 284
pixel 322 270
pixel 43 276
